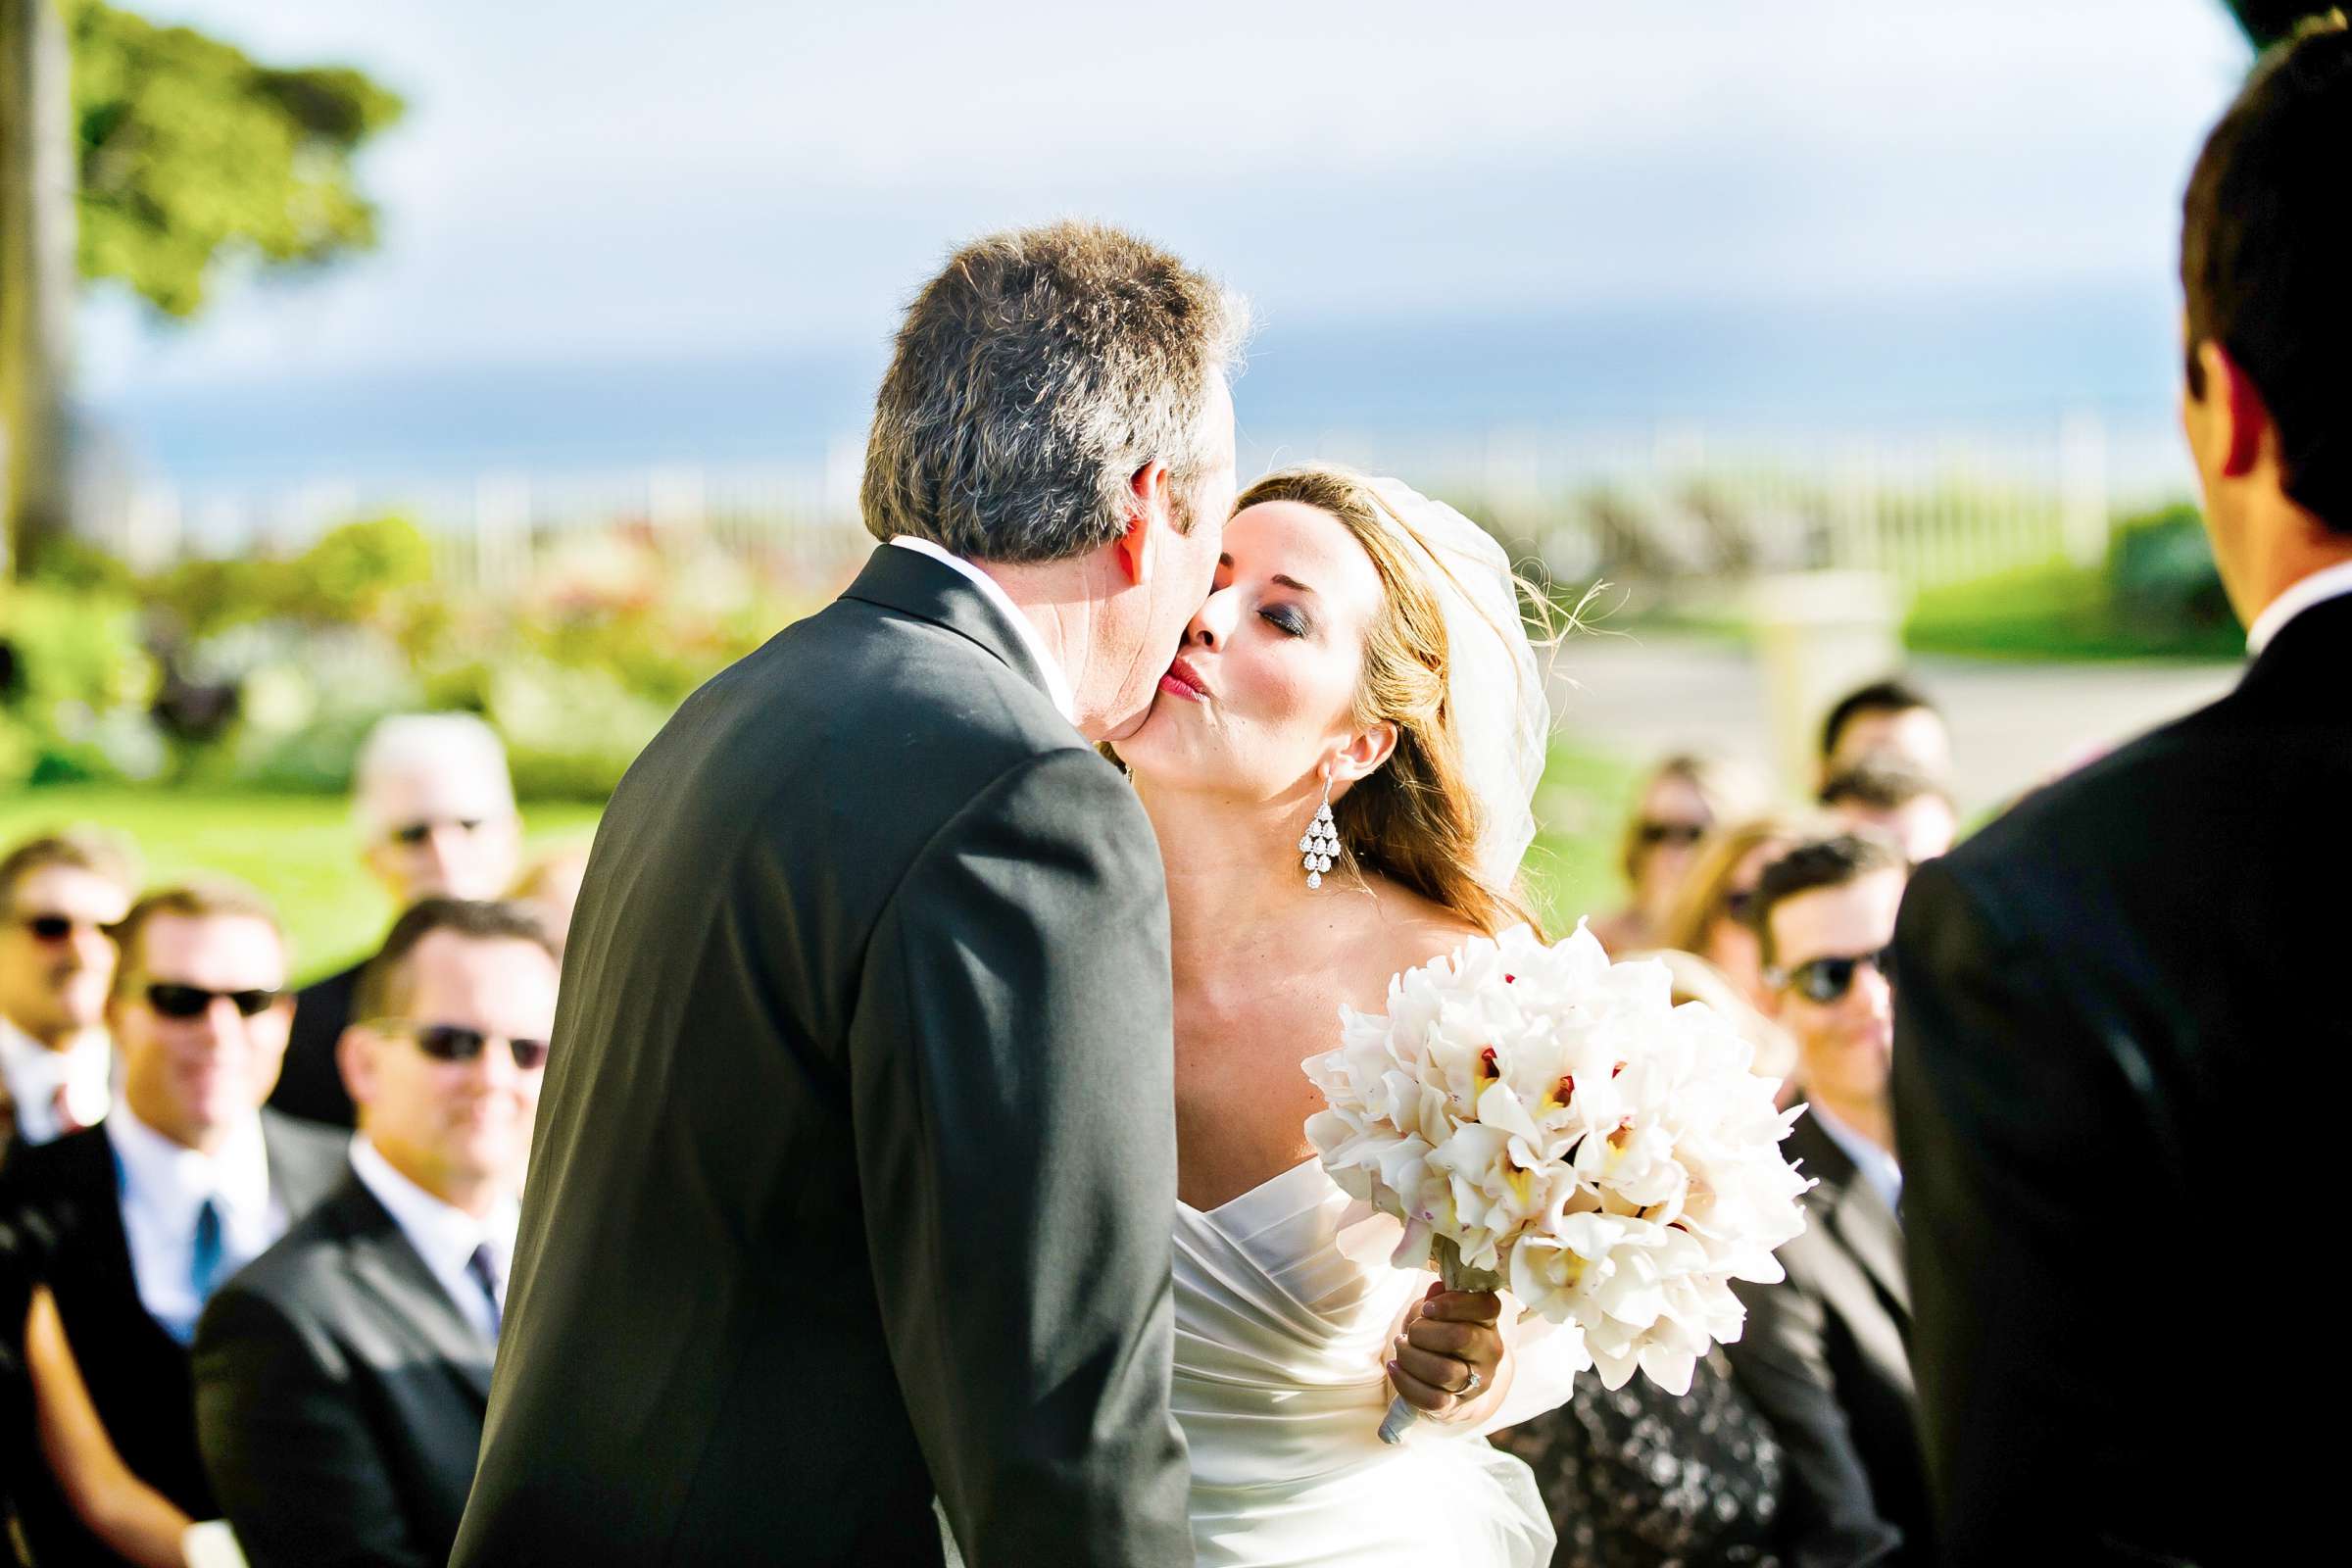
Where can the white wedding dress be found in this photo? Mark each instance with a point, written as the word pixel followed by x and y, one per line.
pixel 1285 1307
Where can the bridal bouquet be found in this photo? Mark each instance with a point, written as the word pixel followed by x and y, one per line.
pixel 1544 1120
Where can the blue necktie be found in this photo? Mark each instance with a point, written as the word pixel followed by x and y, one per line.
pixel 204 1271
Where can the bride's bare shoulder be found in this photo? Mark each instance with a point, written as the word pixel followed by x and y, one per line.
pixel 1404 929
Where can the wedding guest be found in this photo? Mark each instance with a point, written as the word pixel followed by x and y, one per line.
pixel 1684 798
pixel 1824 1352
pixel 1711 914
pixel 1886 795
pixel 1891 717
pixel 436 812
pixel 58 894
pixel 1640 1476
pixel 549 887
pixel 2119 1042
pixel 145 1214
pixel 341 1379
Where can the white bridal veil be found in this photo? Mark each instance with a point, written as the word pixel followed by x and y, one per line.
pixel 1501 713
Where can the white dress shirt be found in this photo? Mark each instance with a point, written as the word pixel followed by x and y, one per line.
pixel 1057 683
pixel 2328 582
pixel 164 1185
pixel 1878 1168
pixel 35 1073
pixel 445 1235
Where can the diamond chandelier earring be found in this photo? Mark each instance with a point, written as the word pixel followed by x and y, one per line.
pixel 1322 840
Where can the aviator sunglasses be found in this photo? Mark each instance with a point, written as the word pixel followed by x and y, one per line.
pixel 1823 981
pixel 54 927
pixel 450 1042
pixel 175 1001
pixel 412 834
pixel 1679 834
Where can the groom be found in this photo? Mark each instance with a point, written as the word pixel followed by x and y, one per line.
pixel 855 1178
pixel 2120 1023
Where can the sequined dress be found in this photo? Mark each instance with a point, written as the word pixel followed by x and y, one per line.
pixel 1640 1479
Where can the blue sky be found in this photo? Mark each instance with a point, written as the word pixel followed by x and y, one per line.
pixel 597 187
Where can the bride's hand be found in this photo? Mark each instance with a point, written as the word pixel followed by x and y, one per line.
pixel 1448 1362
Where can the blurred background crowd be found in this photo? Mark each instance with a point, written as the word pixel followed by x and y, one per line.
pixel 355 548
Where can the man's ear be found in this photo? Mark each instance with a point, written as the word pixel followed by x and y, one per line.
pixel 2245 419
pixel 356 1060
pixel 1365 752
pixel 1150 510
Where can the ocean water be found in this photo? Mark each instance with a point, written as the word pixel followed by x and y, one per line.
pixel 1954 362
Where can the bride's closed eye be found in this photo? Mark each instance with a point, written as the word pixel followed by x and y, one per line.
pixel 1288 619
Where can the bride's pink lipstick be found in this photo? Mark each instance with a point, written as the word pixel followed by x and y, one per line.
pixel 1181 680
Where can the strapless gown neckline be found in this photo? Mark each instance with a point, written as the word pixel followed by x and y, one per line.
pixel 1285 1303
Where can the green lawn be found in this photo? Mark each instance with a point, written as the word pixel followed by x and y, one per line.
pixel 299 849
pixel 1580 809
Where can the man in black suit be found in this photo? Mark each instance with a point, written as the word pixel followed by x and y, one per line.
pixel 2122 1035
pixel 1825 1354
pixel 435 811
pixel 341 1379
pixel 141 1216
pixel 855 1181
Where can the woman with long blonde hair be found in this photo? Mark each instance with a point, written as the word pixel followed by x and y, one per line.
pixel 1361 652
pixel 1684 798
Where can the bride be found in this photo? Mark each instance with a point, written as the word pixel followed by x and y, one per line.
pixel 1362 646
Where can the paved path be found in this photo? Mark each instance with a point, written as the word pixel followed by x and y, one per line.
pixel 2011 723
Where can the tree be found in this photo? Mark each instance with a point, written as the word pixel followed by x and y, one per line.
pixel 186 159
pixel 2266 22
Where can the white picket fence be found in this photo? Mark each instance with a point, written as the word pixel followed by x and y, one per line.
pixel 1662 503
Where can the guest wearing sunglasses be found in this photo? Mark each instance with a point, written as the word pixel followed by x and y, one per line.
pixel 58 894
pixel 1824 1353
pixel 1684 798
pixel 436 812
pixel 341 1379
pixel 1888 795
pixel 144 1215
pixel 1709 917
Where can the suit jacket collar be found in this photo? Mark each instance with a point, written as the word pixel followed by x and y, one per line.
pixel 1857 1217
pixel 913 584
pixel 305 1163
pixel 387 1269
pixel 86 1168
pixel 2305 653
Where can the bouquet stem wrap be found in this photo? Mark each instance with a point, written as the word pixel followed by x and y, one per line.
pixel 1457 1276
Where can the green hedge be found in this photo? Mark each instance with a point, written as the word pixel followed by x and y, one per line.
pixel 2157 596
pixel 266 673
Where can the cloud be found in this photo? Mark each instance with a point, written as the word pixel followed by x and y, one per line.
pixel 594 181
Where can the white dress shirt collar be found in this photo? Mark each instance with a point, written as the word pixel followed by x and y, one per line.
pixel 33 1073
pixel 2328 582
pixel 1057 682
pixel 444 1235
pixel 1879 1168
pixel 165 1186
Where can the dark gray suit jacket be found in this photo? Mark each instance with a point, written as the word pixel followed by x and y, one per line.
pixel 339 1396
pixel 69 1194
pixel 2121 1048
pixel 855 1174
pixel 1826 1356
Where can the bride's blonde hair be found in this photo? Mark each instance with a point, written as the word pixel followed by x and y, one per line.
pixel 1415 820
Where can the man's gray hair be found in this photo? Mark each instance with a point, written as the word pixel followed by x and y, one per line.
pixel 415 745
pixel 1033 377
